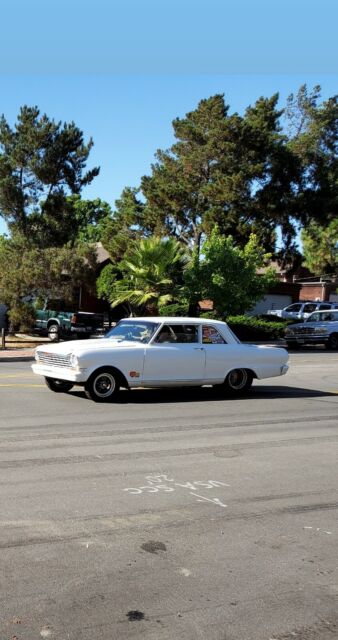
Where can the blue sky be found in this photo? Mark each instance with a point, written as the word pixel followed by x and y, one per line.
pixel 123 69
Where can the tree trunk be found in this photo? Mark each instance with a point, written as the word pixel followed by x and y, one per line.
pixel 151 309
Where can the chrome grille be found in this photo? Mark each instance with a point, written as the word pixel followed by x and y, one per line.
pixel 303 330
pixel 54 359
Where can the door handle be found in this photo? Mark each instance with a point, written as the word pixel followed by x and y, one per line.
pixel 199 348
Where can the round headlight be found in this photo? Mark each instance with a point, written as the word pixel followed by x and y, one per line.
pixel 73 360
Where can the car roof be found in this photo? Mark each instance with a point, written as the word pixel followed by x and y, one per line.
pixel 175 320
pixel 325 310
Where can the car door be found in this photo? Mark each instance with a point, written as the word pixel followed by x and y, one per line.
pixel 220 356
pixel 292 311
pixel 175 356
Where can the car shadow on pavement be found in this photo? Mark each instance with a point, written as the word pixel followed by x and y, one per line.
pixel 203 394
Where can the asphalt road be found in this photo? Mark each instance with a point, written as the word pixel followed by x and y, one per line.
pixel 171 515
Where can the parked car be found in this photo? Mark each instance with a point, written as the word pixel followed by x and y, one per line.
pixel 58 320
pixel 158 352
pixel 320 328
pixel 302 310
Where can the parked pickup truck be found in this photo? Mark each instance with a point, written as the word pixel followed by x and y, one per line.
pixel 62 324
pixel 301 310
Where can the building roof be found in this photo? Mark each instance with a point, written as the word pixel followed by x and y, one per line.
pixel 101 253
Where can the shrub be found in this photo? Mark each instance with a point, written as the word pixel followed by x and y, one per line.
pixel 250 328
pixel 22 317
pixel 175 309
pixel 272 318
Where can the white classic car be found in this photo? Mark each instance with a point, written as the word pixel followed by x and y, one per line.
pixel 158 352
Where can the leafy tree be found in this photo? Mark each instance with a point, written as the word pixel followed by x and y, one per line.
pixel 224 169
pixel 41 163
pixel 89 218
pixel 313 139
pixel 320 247
pixel 247 174
pixel 119 231
pixel 151 275
pixel 106 281
pixel 229 275
pixel 37 272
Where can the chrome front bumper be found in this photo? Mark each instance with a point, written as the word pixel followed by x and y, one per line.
pixel 60 373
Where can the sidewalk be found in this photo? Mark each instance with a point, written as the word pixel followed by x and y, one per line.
pixel 23 347
pixel 16 355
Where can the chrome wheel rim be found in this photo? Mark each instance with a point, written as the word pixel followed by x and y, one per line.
pixel 237 379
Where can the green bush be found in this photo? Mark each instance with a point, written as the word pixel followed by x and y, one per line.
pixel 175 309
pixel 211 315
pixel 22 317
pixel 272 318
pixel 250 328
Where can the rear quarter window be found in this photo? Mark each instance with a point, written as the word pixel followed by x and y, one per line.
pixel 211 335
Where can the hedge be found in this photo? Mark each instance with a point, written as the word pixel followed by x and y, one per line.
pixel 250 328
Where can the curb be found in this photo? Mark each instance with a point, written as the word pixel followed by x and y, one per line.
pixel 16 359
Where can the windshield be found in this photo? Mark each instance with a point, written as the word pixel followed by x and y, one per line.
pixel 132 330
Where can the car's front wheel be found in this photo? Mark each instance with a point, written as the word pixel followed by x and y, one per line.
pixel 332 342
pixel 237 381
pixel 102 386
pixel 59 386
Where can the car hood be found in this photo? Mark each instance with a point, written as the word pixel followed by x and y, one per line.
pixel 82 346
pixel 304 325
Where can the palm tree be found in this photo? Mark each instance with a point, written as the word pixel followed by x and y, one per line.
pixel 151 274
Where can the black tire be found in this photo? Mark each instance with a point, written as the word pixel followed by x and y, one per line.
pixel 293 346
pixel 102 386
pixel 54 332
pixel 59 386
pixel 237 381
pixel 332 342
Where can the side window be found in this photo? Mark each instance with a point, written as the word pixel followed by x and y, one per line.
pixel 314 317
pixel 166 334
pixel 323 307
pixel 178 333
pixel 210 335
pixel 328 317
pixel 294 308
pixel 308 308
pixel 185 333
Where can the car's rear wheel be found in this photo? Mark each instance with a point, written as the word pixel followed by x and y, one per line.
pixel 102 386
pixel 332 342
pixel 238 381
pixel 59 386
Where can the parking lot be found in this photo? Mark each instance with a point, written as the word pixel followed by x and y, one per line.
pixel 171 514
